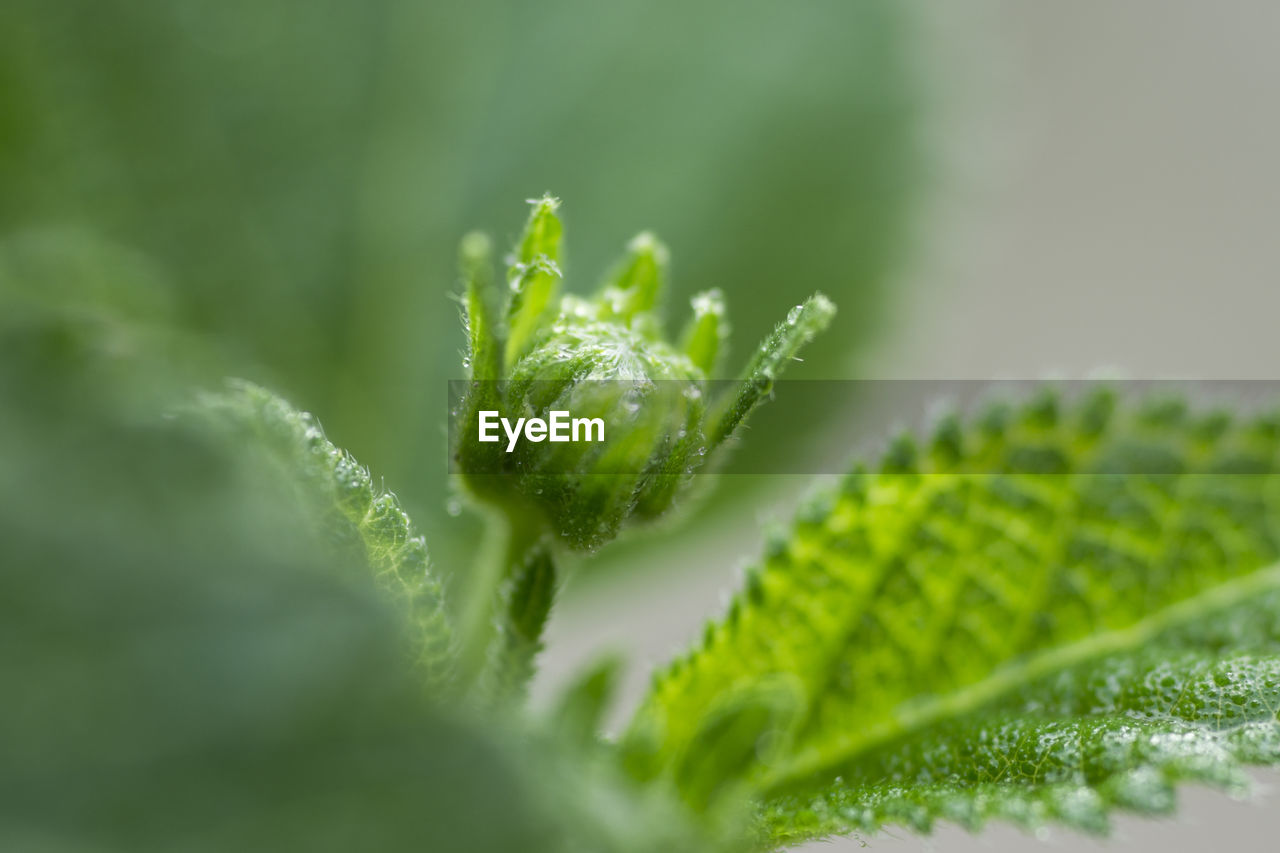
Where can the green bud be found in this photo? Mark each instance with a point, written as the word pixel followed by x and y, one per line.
pixel 605 357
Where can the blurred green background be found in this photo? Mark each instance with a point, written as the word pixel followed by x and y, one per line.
pixel 300 173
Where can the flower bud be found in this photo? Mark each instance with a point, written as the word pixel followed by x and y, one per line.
pixel 604 358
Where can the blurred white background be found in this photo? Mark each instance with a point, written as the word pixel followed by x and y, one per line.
pixel 1107 196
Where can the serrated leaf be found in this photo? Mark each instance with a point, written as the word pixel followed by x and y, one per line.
pixel 1195 704
pixel 923 612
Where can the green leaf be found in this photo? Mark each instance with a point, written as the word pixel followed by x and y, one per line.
pixel 1194 704
pixel 362 520
pixel 1048 579
pixel 580 709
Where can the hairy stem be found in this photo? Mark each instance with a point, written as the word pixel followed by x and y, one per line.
pixel 511 534
pixel 525 602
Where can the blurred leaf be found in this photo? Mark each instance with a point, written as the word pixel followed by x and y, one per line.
pixel 360 522
pixel 186 664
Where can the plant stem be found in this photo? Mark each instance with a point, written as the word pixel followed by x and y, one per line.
pixel 510 533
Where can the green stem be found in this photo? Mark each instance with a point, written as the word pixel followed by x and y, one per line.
pixel 510 533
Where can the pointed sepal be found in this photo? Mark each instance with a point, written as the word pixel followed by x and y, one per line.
pixel 704 338
pixel 533 277
pixel 803 323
